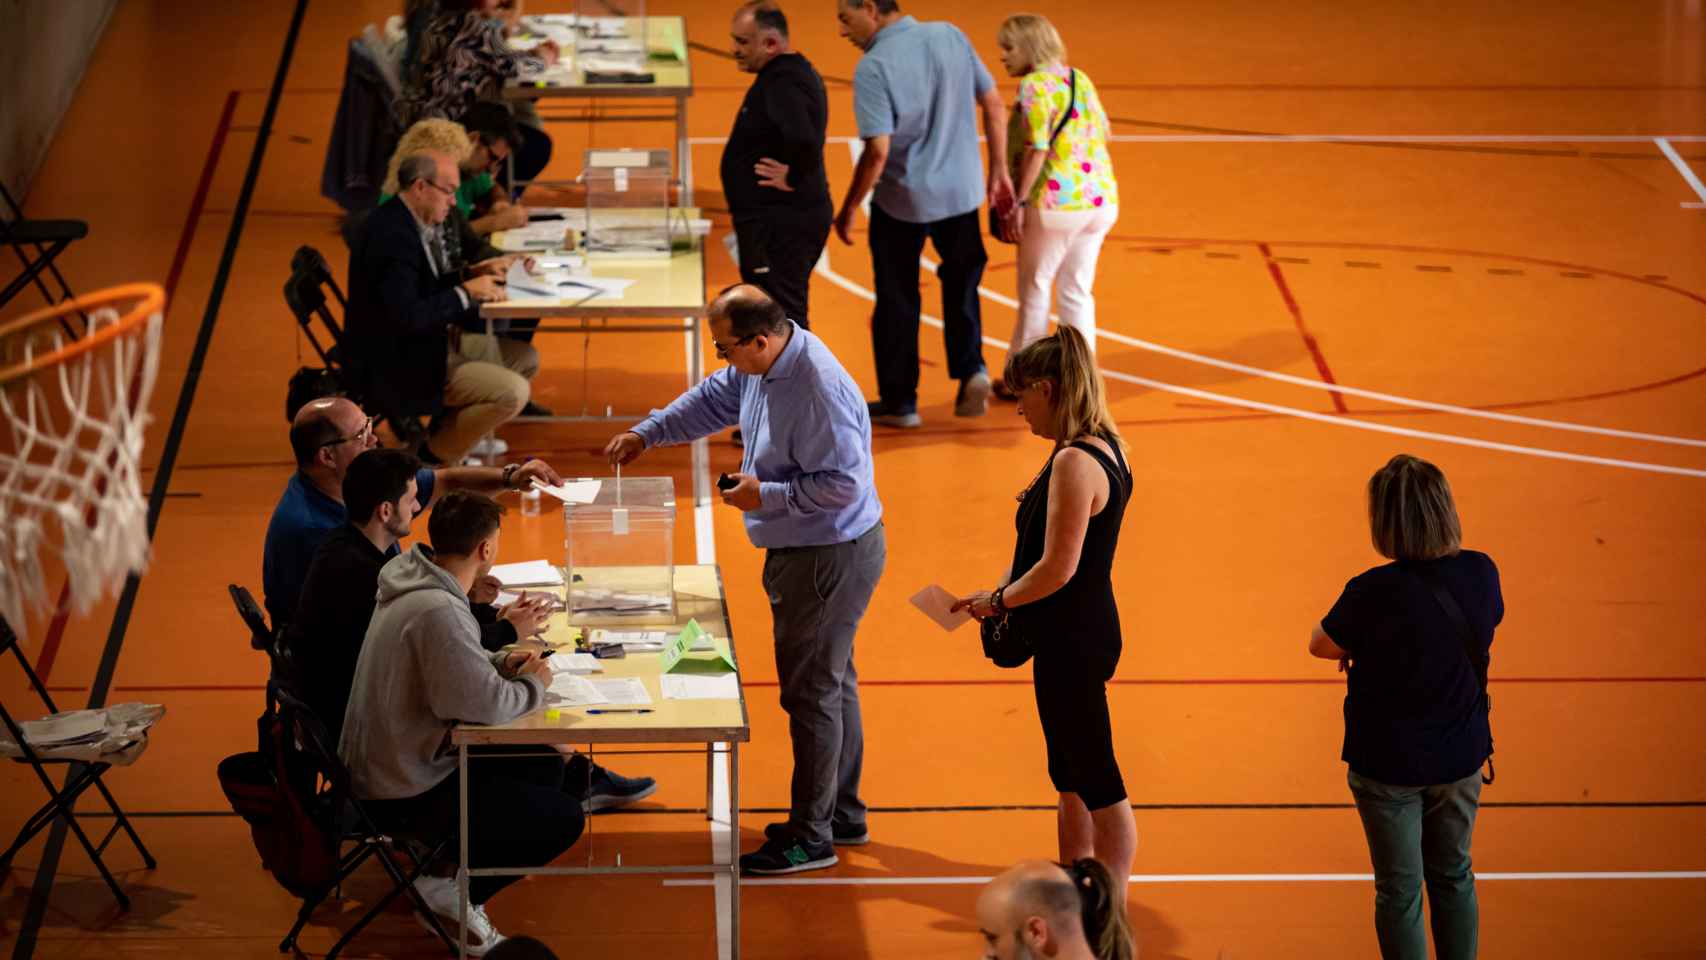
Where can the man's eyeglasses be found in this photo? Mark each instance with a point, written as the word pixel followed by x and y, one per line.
pixel 441 188
pixel 362 434
pixel 723 349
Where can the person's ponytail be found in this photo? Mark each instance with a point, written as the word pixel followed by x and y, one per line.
pixel 1081 408
pixel 1106 927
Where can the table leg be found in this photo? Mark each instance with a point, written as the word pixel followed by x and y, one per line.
pixel 684 150
pixel 462 854
pixel 734 850
pixel 710 760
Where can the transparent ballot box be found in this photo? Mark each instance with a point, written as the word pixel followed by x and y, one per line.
pixel 610 41
pixel 619 551
pixel 628 204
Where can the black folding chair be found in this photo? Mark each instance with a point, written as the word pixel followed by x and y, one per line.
pixel 314 755
pixel 62 799
pixel 306 294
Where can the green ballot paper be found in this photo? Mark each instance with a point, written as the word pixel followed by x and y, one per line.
pixel 675 654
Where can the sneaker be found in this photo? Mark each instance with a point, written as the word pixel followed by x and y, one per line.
pixel 842 835
pixel 440 896
pixel 973 400
pixel 535 410
pixel 489 446
pixel 885 416
pixel 787 855
pixel 1001 392
pixel 737 439
pixel 610 790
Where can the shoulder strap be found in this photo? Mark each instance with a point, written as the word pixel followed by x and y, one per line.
pixel 1071 101
pixel 1477 658
pixel 1116 466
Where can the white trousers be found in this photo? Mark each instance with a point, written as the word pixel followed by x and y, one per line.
pixel 1057 252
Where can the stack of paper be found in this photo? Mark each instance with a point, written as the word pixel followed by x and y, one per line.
pixel 634 641
pixel 565 662
pixel 619 602
pixel 573 690
pixel 723 686
pixel 533 573
pixel 623 691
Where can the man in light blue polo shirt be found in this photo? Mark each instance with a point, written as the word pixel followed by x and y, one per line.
pixel 912 94
pixel 809 495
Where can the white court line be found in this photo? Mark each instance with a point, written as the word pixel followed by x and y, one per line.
pixel 829 274
pixel 1007 301
pixel 1344 138
pixel 1683 168
pixel 1158 878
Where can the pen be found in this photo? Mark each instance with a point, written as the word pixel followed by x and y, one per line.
pixel 621 710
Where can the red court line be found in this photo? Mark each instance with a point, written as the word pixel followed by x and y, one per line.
pixel 1302 329
pixel 62 609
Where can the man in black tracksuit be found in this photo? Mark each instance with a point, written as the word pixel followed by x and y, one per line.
pixel 772 166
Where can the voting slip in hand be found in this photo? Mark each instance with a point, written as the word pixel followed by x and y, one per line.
pixel 937 604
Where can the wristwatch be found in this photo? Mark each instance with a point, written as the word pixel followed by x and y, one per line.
pixel 509 475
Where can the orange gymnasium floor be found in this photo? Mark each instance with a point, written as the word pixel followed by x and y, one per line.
pixel 1499 231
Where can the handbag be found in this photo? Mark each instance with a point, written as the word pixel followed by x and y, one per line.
pixel 1006 642
pixel 996 216
pixel 1477 660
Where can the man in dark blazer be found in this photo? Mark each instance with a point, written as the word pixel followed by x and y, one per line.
pixel 407 312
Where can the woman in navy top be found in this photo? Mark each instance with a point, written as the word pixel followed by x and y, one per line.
pixel 1413 636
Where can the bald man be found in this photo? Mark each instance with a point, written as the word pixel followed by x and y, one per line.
pixel 809 494
pixel 1032 910
pixel 325 436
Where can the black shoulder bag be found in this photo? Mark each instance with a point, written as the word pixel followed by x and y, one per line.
pixel 1065 116
pixel 1005 641
pixel 1477 659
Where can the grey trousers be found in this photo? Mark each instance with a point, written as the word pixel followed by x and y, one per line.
pixel 817 596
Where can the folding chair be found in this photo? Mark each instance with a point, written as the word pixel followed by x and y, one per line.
pixel 61 800
pixel 38 243
pixel 306 737
pixel 306 294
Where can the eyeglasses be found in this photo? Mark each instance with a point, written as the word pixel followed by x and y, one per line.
pixel 723 350
pixel 362 434
pixel 447 191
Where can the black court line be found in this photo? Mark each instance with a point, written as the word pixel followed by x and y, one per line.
pixel 36 911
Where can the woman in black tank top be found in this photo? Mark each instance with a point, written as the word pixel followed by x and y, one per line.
pixel 1061 588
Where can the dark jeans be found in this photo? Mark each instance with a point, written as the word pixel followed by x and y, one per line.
pixel 895 248
pixel 1418 834
pixel 778 250
pixel 523 811
pixel 817 596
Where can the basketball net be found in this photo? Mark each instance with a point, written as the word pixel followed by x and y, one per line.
pixel 73 409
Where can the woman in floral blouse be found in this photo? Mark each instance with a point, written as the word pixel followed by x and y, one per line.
pixel 1068 199
pixel 462 56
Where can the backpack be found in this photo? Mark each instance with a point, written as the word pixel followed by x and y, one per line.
pixel 288 818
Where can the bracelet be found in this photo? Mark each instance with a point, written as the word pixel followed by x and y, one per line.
pixel 997 603
pixel 509 475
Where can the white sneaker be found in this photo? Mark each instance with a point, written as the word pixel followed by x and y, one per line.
pixel 489 446
pixel 440 894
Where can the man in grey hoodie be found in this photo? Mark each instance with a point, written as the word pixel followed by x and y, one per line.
pixel 420 671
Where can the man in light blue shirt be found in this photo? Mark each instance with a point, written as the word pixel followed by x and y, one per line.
pixel 809 494
pixel 912 94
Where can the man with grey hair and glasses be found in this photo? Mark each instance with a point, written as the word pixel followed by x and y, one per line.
pixel 808 492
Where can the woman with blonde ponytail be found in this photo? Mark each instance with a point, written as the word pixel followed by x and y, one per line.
pixel 1060 588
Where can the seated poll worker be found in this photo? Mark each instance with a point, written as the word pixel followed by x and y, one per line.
pixel 408 309
pixel 325 637
pixel 809 495
pixel 325 436
pixel 421 671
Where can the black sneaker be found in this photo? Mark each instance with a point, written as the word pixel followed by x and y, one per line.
pixel 842 835
pixel 610 790
pixel 535 410
pixel 884 415
pixel 787 855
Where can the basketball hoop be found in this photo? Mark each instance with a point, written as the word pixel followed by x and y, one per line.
pixel 72 414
